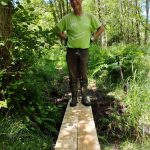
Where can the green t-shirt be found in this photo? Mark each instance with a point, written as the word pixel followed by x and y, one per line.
pixel 79 29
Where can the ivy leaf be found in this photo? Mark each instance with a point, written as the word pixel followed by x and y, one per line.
pixel 3 104
pixel 28 1
pixel 40 28
pixel 20 6
pixel 31 9
pixel 38 119
pixel 50 127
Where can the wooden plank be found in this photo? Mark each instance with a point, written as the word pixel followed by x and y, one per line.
pixel 87 135
pixel 67 139
pixel 78 130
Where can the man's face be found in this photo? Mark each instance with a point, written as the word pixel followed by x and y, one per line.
pixel 76 4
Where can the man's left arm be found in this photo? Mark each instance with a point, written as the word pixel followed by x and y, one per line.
pixel 98 32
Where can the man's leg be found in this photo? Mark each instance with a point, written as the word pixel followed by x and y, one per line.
pixel 72 60
pixel 84 78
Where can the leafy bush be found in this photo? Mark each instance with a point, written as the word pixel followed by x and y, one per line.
pixel 33 77
pixel 32 95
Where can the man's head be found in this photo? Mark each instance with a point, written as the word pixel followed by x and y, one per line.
pixel 76 4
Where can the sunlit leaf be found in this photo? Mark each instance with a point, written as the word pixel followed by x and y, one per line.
pixel 3 104
pixel 2 44
pixel 4 3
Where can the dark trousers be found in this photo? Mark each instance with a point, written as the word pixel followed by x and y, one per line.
pixel 77 61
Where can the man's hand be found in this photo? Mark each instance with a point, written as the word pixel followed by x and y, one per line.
pixel 62 35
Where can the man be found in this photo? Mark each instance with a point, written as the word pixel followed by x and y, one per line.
pixel 79 26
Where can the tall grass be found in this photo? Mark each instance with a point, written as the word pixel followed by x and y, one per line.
pixel 134 123
pixel 129 145
pixel 14 135
pixel 138 102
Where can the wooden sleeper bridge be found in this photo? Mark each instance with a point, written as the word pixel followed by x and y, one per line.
pixel 78 130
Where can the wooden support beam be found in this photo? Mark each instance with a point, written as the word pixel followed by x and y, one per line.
pixel 78 130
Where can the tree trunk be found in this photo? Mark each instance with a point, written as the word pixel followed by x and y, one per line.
pixel 53 11
pixel 63 8
pixel 147 19
pixel 5 32
pixel 137 24
pixel 60 9
pixel 99 10
pixel 5 44
pixel 132 35
pixel 128 22
pixel 122 22
pixel 67 6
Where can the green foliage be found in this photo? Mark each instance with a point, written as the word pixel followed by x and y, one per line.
pixel 32 95
pixel 34 77
pixel 134 61
pixel 30 40
pixel 14 135
pixel 29 43
pixel 106 68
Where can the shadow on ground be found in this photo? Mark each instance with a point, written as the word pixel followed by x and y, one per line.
pixel 105 108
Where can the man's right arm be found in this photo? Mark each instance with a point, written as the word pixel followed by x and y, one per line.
pixel 61 28
pixel 63 37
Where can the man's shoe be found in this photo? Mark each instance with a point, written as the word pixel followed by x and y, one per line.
pixel 86 101
pixel 73 102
